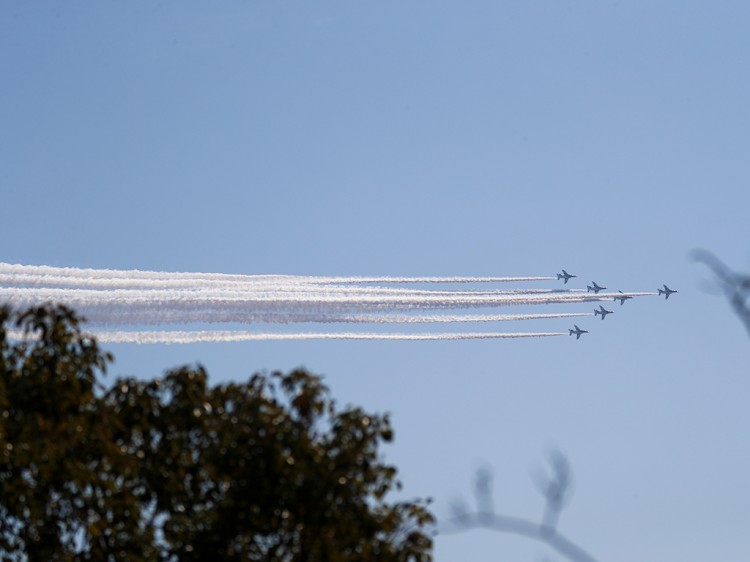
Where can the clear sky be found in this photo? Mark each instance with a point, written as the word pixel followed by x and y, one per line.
pixel 498 138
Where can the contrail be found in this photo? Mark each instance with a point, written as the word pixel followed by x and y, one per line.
pixel 354 280
pixel 184 298
pixel 108 297
pixel 57 281
pixel 237 336
pixel 167 307
pixel 159 307
pixel 84 273
pixel 108 316
pixel 135 274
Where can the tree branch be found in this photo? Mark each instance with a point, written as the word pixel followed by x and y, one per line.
pixel 522 527
pixel 556 491
pixel 736 287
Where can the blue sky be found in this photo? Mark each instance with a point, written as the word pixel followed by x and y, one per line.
pixel 429 138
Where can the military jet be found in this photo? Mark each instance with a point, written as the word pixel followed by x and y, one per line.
pixel 564 275
pixel 666 291
pixel 602 311
pixel 577 331
pixel 596 288
pixel 622 299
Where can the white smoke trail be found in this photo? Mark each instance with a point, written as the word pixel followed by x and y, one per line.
pixel 447 280
pixel 181 307
pixel 110 317
pixel 237 336
pixel 31 281
pixel 165 298
pixel 61 273
pixel 84 273
pixel 48 281
pixel 130 308
pixel 134 297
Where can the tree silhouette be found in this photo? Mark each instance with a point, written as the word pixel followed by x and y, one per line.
pixel 172 469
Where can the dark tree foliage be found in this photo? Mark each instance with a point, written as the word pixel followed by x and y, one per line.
pixel 173 469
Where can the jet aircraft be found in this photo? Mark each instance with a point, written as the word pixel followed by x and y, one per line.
pixel 577 331
pixel 666 291
pixel 622 299
pixel 602 311
pixel 564 275
pixel 596 288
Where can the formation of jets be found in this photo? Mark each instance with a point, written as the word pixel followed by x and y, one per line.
pixel 601 311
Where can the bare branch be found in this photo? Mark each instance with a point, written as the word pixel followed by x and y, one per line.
pixel 736 287
pixel 523 527
pixel 556 491
pixel 483 490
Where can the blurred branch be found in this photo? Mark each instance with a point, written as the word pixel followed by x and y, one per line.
pixel 555 489
pixel 483 491
pixel 736 286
